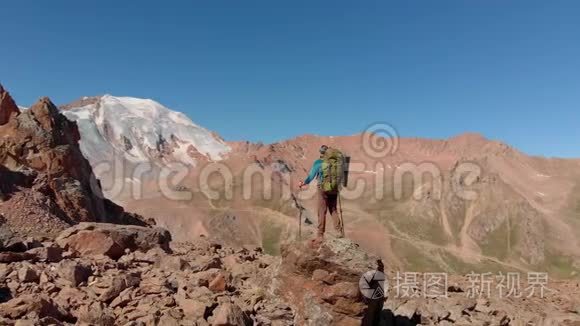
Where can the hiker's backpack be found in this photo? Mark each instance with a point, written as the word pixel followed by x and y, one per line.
pixel 332 170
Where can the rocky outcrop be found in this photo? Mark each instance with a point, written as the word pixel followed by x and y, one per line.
pixel 205 283
pixel 323 281
pixel 7 107
pixel 47 184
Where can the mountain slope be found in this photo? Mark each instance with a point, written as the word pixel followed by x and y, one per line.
pixel 521 214
pixel 141 130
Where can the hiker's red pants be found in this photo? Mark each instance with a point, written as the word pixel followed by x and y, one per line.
pixel 327 203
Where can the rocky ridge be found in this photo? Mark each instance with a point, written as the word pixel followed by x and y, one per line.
pixel 105 274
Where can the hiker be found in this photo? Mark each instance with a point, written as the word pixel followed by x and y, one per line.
pixel 327 170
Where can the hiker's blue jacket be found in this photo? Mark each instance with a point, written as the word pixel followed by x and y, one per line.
pixel 315 172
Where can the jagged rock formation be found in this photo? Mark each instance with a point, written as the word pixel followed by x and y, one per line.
pixel 47 184
pixel 7 106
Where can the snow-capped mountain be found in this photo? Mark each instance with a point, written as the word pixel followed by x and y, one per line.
pixel 140 130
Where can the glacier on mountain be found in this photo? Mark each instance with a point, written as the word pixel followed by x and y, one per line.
pixel 141 130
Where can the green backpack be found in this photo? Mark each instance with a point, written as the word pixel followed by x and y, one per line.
pixel 332 170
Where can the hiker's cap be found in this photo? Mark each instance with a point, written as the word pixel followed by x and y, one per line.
pixel 323 149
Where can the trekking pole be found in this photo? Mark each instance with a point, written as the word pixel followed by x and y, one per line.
pixel 340 215
pixel 300 208
pixel 300 225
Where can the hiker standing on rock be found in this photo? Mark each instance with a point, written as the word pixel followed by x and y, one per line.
pixel 328 170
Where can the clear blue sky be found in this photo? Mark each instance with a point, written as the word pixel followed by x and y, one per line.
pixel 270 70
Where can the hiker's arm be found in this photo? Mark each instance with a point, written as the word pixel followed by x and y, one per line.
pixel 313 172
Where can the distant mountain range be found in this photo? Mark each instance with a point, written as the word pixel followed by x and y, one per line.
pixel 525 216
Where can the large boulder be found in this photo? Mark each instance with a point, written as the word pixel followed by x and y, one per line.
pixel 334 255
pixel 112 239
pixel 324 278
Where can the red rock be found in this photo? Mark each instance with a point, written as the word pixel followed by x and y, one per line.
pixel 324 276
pixel 28 274
pixel 73 272
pixel 341 290
pixel 69 296
pixel 96 313
pixel 7 107
pixel 112 240
pixel 230 261
pixel 228 314
pixel 10 257
pixel 116 285
pixel 40 305
pixel 192 308
pixel 206 263
pixel 219 283
pixel 172 263
pixel 168 320
pixel 122 299
pixel 94 243
pixel 205 277
pixel 320 275
pixel 349 307
pixel 47 254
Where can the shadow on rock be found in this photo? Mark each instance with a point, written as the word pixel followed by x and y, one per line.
pixel 388 318
pixel 5 295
